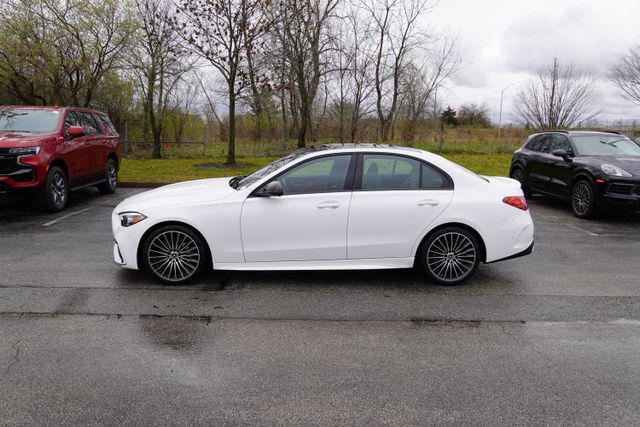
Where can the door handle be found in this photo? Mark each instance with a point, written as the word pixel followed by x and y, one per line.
pixel 329 205
pixel 428 202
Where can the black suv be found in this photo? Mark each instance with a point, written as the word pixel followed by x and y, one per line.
pixel 591 170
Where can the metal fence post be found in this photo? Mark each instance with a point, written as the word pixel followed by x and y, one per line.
pixel 126 138
pixel 204 142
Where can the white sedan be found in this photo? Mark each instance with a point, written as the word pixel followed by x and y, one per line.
pixel 333 207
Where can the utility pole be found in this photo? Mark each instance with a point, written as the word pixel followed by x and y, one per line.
pixel 500 117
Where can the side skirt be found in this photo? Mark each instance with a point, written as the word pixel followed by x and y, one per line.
pixel 349 264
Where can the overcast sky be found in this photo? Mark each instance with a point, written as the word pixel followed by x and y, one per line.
pixel 501 42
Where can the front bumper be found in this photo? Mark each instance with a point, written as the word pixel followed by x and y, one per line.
pixel 18 172
pixel 621 194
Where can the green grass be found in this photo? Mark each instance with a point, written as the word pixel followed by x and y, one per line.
pixel 164 171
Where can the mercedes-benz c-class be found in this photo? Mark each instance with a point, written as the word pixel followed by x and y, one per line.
pixel 333 207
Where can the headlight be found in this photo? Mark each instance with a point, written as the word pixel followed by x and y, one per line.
pixel 127 219
pixel 24 151
pixel 615 171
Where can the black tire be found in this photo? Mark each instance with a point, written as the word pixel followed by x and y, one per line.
pixel 518 175
pixel 54 195
pixel 110 184
pixel 583 199
pixel 449 256
pixel 174 254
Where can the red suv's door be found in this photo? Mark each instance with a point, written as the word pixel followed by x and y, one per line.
pixel 110 139
pixel 96 141
pixel 76 152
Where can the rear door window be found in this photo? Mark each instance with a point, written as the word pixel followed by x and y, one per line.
pixel 89 123
pixel 382 172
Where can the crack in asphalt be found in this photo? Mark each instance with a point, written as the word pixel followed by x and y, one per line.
pixel 16 356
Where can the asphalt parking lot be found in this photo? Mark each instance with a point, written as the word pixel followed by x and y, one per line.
pixel 550 338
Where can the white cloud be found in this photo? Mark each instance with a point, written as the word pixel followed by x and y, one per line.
pixel 502 42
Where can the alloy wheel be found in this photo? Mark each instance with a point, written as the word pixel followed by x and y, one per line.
pixel 112 175
pixel 451 257
pixel 173 256
pixel 581 198
pixel 58 190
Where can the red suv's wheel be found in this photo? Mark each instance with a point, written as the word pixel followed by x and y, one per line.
pixel 110 184
pixel 53 196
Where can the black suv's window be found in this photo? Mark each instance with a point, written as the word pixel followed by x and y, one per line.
pixel 388 172
pixel 560 142
pixel 322 175
pixel 539 143
pixel 89 123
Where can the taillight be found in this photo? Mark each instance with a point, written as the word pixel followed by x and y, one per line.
pixel 517 202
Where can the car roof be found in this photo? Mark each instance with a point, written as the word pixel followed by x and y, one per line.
pixel 579 132
pixel 47 108
pixel 360 147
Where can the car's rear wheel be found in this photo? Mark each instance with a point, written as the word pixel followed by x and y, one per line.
pixel 174 254
pixel 450 256
pixel 53 196
pixel 518 175
pixel 110 184
pixel 583 200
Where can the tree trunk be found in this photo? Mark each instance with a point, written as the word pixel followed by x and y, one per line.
pixel 231 151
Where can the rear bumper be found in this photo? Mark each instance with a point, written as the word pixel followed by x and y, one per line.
pixel 526 252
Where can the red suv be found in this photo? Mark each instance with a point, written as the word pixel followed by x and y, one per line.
pixel 53 150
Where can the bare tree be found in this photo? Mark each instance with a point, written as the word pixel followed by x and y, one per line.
pixel 395 27
pixel 474 114
pixel 158 64
pixel 558 97
pixel 625 73
pixel 224 32
pixel 420 81
pixel 350 81
pixel 303 37
pixel 59 51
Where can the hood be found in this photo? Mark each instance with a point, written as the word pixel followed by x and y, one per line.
pixel 629 163
pixel 23 139
pixel 183 193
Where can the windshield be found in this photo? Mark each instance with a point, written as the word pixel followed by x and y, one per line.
pixel 270 168
pixel 32 121
pixel 606 145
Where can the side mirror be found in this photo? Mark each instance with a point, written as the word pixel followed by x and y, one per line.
pixel 563 154
pixel 75 131
pixel 272 189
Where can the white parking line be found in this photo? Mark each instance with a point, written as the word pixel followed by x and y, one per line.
pixel 575 227
pixel 69 215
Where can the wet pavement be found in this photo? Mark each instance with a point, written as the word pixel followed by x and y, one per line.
pixel 550 338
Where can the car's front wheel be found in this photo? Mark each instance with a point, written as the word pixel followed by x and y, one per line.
pixel 174 254
pixel 583 200
pixel 450 256
pixel 53 196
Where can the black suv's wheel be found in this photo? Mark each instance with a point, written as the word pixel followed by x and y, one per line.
pixel 110 184
pixel 53 196
pixel 583 199
pixel 449 256
pixel 174 254
pixel 518 175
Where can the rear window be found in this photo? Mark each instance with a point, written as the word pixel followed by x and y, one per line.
pixel 107 124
